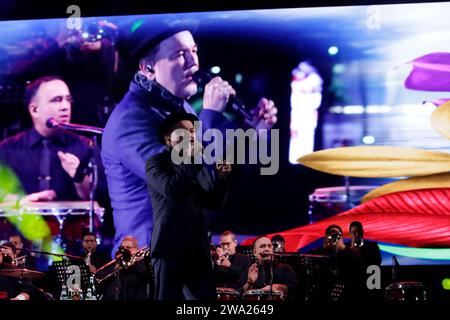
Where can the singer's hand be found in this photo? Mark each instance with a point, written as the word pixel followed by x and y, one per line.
pixel 223 168
pixel 217 93
pixel 265 115
pixel 46 195
pixel 252 273
pixel 69 162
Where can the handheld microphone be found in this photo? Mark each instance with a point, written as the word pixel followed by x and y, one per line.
pixel 202 78
pixel 53 123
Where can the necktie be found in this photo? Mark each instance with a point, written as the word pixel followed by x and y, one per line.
pixel 44 172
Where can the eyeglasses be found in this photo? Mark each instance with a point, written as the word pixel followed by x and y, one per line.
pixel 223 244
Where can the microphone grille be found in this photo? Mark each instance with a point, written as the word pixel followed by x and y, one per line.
pixel 201 78
pixel 51 123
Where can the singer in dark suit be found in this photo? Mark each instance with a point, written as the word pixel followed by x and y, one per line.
pixel 181 194
pixel 44 159
pixel 167 61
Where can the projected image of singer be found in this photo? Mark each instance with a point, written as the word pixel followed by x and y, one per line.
pixel 46 159
pixel 167 59
pixel 267 275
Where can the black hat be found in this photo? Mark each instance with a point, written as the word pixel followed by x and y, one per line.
pixel 172 120
pixel 145 34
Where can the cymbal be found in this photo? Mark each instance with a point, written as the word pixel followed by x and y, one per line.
pixel 440 119
pixel 377 161
pixel 22 273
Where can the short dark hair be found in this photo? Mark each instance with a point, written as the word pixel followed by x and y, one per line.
pixel 15 235
pixel 32 89
pixel 256 240
pixel 167 126
pixel 358 225
pixel 228 233
pixel 89 234
pixel 333 226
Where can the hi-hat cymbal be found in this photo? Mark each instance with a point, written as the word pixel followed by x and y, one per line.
pixel 22 273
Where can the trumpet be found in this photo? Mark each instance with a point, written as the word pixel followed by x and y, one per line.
pixel 14 262
pixel 334 236
pixel 359 242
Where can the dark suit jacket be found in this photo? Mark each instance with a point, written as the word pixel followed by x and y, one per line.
pixel 228 276
pixel 179 195
pixel 129 140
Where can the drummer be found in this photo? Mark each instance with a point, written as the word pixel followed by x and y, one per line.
pixel 258 275
pixel 49 162
pixel 11 288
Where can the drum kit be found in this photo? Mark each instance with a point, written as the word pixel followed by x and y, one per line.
pixel 326 202
pixel 405 292
pixel 26 277
pixel 229 294
pixel 66 219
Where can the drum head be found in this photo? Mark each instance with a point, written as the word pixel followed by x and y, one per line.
pixel 257 294
pixel 227 294
pixel 406 291
pixel 340 194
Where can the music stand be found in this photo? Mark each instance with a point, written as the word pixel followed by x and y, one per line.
pixel 60 268
pixel 307 267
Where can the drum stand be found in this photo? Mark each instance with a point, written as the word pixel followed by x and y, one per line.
pixel 93 172
pixel 59 240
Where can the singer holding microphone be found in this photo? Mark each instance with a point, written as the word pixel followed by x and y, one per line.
pixel 267 275
pixel 46 159
pixel 181 194
pixel 166 59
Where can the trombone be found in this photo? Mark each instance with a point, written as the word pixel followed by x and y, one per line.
pixel 124 259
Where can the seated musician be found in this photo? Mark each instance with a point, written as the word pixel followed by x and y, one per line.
pixel 11 288
pixel 92 254
pixel 24 258
pixel 369 250
pixel 345 279
pixel 230 264
pixel 370 254
pixel 47 160
pixel 268 275
pixel 134 280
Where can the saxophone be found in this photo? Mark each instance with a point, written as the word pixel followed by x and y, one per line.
pixel 87 259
